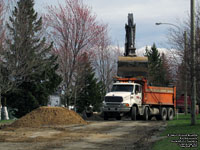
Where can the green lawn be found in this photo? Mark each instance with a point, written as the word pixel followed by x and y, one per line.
pixel 6 121
pixel 177 127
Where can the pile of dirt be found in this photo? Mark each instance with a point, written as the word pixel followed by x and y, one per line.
pixel 48 116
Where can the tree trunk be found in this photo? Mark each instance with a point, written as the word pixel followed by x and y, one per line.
pixel 0 105
pixel 4 110
pixel 5 113
pixel 186 74
pixel 0 111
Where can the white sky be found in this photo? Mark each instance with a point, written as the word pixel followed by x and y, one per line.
pixel 146 14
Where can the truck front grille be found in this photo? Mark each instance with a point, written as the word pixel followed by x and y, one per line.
pixel 114 104
pixel 113 99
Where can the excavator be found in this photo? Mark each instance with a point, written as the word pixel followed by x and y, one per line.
pixel 130 65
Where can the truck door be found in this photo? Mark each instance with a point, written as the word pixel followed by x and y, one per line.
pixel 138 94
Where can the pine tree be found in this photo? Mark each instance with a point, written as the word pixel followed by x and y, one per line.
pixel 31 95
pixel 27 51
pixel 156 69
pixel 35 67
pixel 90 93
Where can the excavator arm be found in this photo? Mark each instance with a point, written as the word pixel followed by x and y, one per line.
pixel 130 65
pixel 130 37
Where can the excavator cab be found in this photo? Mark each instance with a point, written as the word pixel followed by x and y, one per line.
pixel 130 65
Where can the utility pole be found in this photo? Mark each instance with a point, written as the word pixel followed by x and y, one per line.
pixel 186 74
pixel 193 108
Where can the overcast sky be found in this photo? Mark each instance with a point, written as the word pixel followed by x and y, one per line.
pixel 146 14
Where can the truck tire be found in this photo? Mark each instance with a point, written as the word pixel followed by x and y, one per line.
pixel 170 113
pixel 105 116
pixel 133 113
pixel 163 113
pixel 146 114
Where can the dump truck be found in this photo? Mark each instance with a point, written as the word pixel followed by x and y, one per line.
pixel 131 95
pixel 135 98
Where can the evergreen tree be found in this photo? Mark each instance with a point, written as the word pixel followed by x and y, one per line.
pixel 32 61
pixel 35 93
pixel 27 52
pixel 90 93
pixel 156 69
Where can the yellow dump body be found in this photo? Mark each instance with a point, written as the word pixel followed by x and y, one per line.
pixel 132 66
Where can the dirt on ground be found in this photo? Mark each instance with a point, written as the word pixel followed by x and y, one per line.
pixel 49 116
pixel 95 134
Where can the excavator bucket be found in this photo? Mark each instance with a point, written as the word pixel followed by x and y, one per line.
pixel 129 67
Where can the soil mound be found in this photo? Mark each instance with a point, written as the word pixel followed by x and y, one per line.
pixel 48 116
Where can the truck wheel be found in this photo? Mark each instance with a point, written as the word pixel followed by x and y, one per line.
pixel 170 114
pixel 163 113
pixel 133 113
pixel 118 117
pixel 146 114
pixel 105 116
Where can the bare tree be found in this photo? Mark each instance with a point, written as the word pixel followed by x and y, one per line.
pixel 105 61
pixel 74 30
pixel 177 40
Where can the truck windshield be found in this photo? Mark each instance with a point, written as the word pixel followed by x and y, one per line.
pixel 122 88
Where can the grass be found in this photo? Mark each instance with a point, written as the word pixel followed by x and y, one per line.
pixel 2 122
pixel 180 126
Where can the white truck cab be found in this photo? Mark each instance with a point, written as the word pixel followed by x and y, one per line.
pixel 120 100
